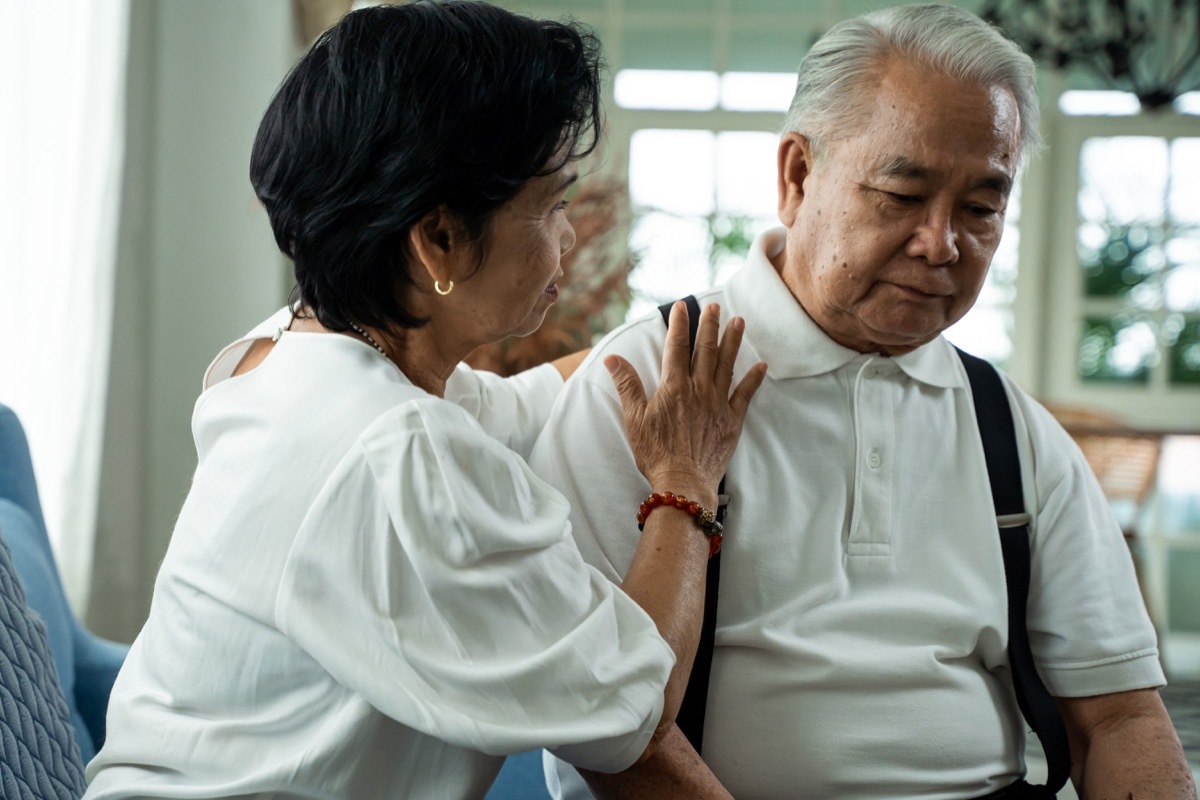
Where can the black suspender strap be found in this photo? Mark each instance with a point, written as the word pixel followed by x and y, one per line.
pixel 994 416
pixel 690 718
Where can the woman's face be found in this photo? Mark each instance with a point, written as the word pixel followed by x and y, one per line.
pixel 517 283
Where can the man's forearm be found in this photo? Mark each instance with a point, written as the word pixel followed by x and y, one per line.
pixel 1127 749
pixel 1137 758
pixel 673 770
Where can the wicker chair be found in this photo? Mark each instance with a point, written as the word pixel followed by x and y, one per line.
pixel 1126 464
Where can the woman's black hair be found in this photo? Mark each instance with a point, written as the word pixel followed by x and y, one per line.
pixel 398 110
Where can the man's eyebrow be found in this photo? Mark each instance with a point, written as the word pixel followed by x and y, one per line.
pixel 904 167
pixel 997 183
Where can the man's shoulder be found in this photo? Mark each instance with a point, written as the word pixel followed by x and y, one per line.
pixel 643 337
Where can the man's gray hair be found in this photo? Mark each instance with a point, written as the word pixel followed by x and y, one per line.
pixel 843 66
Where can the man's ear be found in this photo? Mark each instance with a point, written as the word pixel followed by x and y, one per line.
pixel 795 162
pixel 438 241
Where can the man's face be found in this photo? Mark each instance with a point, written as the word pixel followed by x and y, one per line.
pixel 892 229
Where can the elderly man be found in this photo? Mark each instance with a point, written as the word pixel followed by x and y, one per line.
pixel 862 630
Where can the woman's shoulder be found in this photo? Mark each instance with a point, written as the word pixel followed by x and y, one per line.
pixel 440 429
pixel 431 458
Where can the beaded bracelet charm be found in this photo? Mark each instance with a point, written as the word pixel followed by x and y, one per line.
pixel 705 519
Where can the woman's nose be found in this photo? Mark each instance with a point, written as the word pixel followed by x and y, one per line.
pixel 567 241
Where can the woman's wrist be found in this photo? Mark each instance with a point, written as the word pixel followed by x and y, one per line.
pixel 688 484
pixel 702 517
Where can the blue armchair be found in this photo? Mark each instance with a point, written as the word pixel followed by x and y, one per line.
pixel 521 778
pixel 86 664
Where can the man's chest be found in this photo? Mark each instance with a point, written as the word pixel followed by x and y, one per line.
pixel 861 505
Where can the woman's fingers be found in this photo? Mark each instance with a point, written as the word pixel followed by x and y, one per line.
pixel 739 401
pixel 692 422
pixel 731 343
pixel 677 354
pixel 704 360
pixel 629 385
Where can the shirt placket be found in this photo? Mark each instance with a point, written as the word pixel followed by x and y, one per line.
pixel 873 397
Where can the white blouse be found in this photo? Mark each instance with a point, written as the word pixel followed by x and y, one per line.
pixel 368 594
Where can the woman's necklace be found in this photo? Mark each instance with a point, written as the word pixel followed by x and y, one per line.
pixel 370 341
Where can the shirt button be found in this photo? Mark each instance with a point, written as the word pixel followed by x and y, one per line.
pixel 874 460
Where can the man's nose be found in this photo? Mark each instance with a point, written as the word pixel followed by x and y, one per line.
pixel 935 238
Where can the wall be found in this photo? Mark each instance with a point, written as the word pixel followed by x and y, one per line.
pixel 197 265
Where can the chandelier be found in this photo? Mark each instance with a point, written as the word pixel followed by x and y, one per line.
pixel 1148 47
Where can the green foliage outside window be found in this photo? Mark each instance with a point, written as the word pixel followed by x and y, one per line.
pixel 1185 355
pixel 1120 264
pixel 1097 353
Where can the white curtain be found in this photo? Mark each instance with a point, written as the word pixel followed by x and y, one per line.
pixel 62 110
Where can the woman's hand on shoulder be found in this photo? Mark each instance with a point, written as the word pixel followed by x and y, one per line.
pixel 684 435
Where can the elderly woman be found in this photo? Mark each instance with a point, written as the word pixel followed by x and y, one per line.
pixel 368 593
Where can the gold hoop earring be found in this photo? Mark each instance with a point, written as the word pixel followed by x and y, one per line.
pixel 437 287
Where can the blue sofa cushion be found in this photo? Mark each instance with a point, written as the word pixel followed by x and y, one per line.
pixel 40 582
pixel 38 754
pixel 86 663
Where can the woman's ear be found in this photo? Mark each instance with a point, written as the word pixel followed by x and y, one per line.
pixel 438 241
pixel 795 159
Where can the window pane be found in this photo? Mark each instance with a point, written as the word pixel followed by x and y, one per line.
pixel 746 183
pixel 1082 102
pixel 1188 103
pixel 1185 355
pixel 672 259
pixel 984 332
pixel 987 329
pixel 1120 260
pixel 757 91
pixel 1123 180
pixel 666 88
pixel 1118 349
pixel 1183 595
pixel 1182 288
pixel 1181 284
pixel 1179 485
pixel 1185 186
pixel 673 170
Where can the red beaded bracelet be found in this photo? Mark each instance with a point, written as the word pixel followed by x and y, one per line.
pixel 705 519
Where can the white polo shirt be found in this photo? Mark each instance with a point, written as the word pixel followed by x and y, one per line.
pixel 862 624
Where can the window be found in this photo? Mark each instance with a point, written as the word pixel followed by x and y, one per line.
pixel 1124 327
pixel 700 197
pixel 1138 244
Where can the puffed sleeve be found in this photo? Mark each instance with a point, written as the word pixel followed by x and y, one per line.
pixel 436 577
pixel 512 410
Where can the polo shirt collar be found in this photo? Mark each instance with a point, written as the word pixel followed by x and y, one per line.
pixel 785 336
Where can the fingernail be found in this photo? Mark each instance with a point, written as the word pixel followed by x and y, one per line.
pixel 610 363
pixel 737 323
